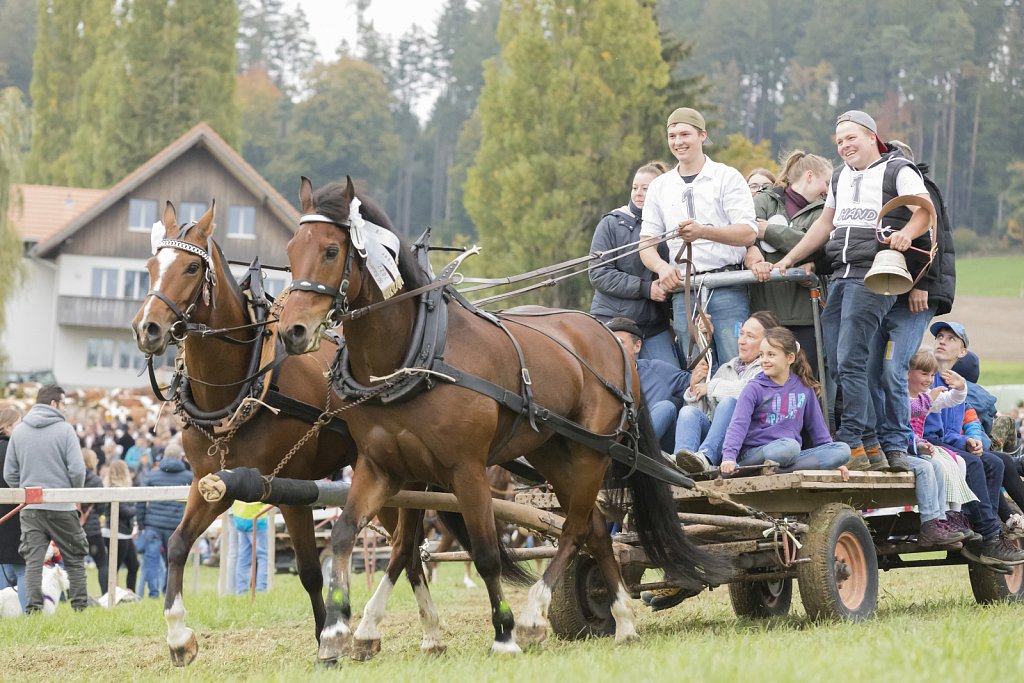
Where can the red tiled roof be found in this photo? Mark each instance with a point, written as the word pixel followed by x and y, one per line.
pixel 39 211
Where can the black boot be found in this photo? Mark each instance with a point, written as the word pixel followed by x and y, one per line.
pixel 898 461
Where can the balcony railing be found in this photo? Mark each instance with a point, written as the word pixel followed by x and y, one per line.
pixel 88 311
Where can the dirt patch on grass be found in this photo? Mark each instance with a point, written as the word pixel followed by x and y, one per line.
pixel 994 325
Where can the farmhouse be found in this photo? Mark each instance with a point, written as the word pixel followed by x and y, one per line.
pixel 85 252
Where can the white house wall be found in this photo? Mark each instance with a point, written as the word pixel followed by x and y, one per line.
pixel 28 336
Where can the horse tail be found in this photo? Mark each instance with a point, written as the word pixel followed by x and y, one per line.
pixel 511 570
pixel 657 526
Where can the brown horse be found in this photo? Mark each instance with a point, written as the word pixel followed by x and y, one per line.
pixel 449 434
pixel 180 271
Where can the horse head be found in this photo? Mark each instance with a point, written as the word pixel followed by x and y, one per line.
pixel 182 273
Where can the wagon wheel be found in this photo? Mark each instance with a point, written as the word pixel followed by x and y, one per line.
pixel 581 604
pixel 761 599
pixel 841 578
pixel 989 586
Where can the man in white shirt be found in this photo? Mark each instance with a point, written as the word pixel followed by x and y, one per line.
pixel 853 314
pixel 709 205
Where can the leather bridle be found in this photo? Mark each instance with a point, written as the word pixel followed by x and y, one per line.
pixel 179 328
pixel 340 293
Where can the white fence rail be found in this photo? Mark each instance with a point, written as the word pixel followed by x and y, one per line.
pixel 34 495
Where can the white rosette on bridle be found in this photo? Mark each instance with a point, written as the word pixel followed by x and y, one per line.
pixel 379 248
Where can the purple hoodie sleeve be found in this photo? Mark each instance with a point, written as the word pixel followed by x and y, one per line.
pixel 814 421
pixel 737 432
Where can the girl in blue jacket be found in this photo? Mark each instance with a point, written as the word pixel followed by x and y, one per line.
pixel 774 409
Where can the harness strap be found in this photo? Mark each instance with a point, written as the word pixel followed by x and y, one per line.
pixel 694 310
pixel 562 426
pixel 303 411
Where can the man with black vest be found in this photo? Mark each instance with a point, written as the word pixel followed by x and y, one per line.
pixel 846 228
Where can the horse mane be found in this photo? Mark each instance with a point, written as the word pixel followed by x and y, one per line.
pixel 225 274
pixel 329 200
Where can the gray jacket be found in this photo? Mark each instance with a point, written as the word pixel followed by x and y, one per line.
pixel 44 451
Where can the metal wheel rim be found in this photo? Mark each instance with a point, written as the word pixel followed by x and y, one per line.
pixel 773 591
pixel 853 589
pixel 592 594
pixel 1015 580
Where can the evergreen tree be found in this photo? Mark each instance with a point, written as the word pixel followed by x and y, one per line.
pixel 346 127
pixel 13 141
pixel 562 126
pixel 18 19
pixel 63 54
pixel 274 40
pixel 180 70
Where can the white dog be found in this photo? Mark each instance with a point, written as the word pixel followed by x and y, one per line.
pixel 55 582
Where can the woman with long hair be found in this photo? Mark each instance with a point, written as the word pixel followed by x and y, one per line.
pixel 12 564
pixel 118 475
pixel 784 213
pixel 775 409
pixel 90 515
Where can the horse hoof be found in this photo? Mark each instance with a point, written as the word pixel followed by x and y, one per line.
pixel 506 648
pixel 627 638
pixel 364 650
pixel 324 664
pixel 335 645
pixel 187 653
pixel 433 647
pixel 531 634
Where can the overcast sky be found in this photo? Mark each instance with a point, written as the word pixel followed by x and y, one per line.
pixel 331 21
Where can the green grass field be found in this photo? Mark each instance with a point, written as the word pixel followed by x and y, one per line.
pixel 928 628
pixel 996 372
pixel 1001 276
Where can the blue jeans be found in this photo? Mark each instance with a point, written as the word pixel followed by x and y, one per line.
pixel 851 319
pixel 243 566
pixel 728 308
pixel 896 341
pixel 985 479
pixel 661 346
pixel 930 488
pixel 695 432
pixel 791 458
pixel 663 416
pixel 154 570
pixel 13 576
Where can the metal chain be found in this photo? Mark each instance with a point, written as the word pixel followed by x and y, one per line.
pixel 321 422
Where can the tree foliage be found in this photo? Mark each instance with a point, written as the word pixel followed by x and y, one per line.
pixel 557 141
pixel 276 41
pixel 18 19
pixel 13 140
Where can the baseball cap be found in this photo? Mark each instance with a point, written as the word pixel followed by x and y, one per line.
pixel 625 325
pixel 968 367
pixel 863 119
pixel 690 116
pixel 955 328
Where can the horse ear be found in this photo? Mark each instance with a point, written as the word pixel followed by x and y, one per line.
pixel 170 218
pixel 350 190
pixel 306 195
pixel 205 225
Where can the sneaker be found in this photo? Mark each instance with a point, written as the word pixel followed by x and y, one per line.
pixel 876 459
pixel 1013 528
pixel 664 598
pixel 692 462
pixel 933 533
pixel 859 461
pixel 898 461
pixel 996 551
pixel 959 521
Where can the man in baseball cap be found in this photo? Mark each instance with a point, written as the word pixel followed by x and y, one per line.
pixel 956 328
pixel 865 120
pixel 707 206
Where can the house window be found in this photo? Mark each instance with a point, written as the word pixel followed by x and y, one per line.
pixel 141 214
pixel 99 353
pixel 190 211
pixel 136 284
pixel 273 285
pixel 242 222
pixel 104 283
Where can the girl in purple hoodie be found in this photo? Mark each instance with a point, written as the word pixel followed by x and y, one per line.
pixel 774 409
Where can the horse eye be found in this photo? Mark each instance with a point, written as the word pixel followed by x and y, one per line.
pixel 331 253
pixel 192 269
